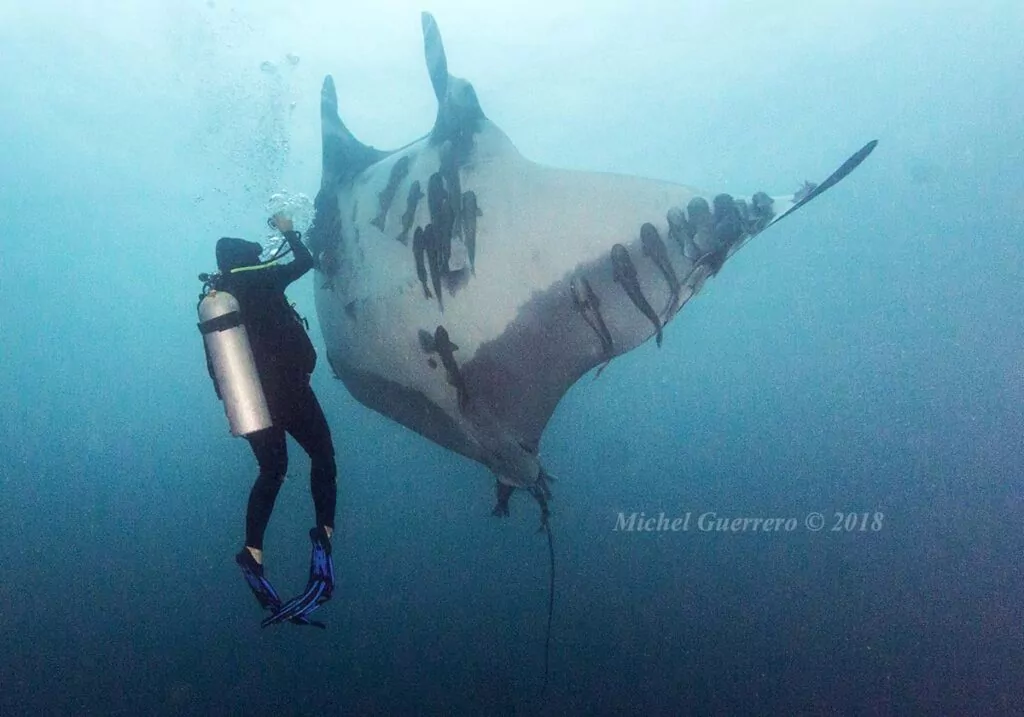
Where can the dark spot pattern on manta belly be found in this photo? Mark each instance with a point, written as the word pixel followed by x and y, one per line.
pixel 411 203
pixel 455 280
pixel 624 272
pixel 325 233
pixel 655 250
pixel 387 195
pixel 328 266
pixel 426 340
pixel 354 221
pixel 522 373
pixel 408 407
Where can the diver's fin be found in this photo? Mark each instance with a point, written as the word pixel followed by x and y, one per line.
pixel 321 565
pixel 318 590
pixel 262 590
pixel 300 620
pixel 298 609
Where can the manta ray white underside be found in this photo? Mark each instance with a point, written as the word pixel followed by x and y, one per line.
pixel 463 289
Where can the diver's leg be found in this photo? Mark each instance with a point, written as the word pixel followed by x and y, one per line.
pixel 269 448
pixel 271 453
pixel 308 426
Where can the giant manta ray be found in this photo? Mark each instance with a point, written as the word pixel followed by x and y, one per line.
pixel 462 289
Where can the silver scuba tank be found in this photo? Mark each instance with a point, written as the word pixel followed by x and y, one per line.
pixel 234 369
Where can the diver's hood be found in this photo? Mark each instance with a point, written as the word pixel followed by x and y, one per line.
pixel 233 253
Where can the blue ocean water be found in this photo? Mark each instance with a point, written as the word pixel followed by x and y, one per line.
pixel 864 357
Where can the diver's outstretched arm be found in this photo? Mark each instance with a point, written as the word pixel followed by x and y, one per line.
pixel 302 260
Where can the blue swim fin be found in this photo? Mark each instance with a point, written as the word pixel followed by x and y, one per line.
pixel 319 588
pixel 261 588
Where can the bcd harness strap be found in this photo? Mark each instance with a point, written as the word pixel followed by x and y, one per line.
pixel 221 323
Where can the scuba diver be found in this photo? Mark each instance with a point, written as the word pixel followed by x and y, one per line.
pixel 261 358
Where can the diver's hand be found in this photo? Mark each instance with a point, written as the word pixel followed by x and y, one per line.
pixel 281 223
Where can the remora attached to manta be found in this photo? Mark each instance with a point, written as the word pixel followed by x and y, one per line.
pixel 520 278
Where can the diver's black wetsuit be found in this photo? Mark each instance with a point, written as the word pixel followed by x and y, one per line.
pixel 285 358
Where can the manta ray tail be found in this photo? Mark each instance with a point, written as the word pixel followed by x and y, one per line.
pixel 551 604
pixel 541 494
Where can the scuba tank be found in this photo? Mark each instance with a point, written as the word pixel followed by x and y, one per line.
pixel 232 363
